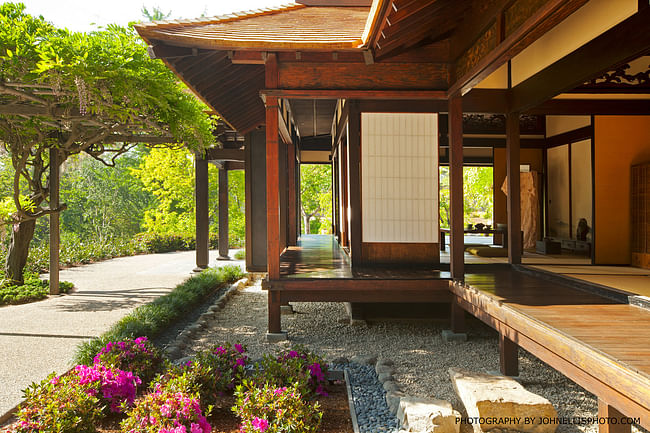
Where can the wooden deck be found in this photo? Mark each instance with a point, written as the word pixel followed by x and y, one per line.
pixel 319 270
pixel 602 345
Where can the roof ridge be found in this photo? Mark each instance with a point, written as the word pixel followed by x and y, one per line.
pixel 218 19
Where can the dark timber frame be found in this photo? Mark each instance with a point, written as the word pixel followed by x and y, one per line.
pixel 424 56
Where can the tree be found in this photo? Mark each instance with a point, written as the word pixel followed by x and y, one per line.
pixel 156 14
pixel 477 194
pixel 316 197
pixel 97 93
pixel 102 201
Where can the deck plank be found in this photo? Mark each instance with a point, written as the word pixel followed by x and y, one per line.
pixel 601 344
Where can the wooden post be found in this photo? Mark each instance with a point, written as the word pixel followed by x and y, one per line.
pixel 457 317
pixel 275 316
pixel 272 175
pixel 514 194
pixel 508 356
pixel 610 412
pixel 354 161
pixel 223 214
pixel 55 237
pixel 202 211
pixel 291 173
pixel 457 241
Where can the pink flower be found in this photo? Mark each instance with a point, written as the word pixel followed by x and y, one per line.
pixel 260 424
pixel 239 348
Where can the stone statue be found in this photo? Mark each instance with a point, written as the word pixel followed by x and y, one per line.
pixel 582 230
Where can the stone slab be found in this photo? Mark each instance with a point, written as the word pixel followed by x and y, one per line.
pixel 499 402
pixel 427 416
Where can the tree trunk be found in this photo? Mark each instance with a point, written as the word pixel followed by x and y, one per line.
pixel 305 219
pixel 21 236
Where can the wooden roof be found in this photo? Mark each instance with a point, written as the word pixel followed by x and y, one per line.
pixel 291 27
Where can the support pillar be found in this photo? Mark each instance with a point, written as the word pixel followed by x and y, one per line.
pixel 508 356
pixel 514 194
pixel 223 214
pixel 293 188
pixel 611 413
pixel 457 242
pixel 202 212
pixel 55 235
pixel 354 161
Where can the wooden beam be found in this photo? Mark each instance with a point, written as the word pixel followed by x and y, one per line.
pixel 216 154
pixel 579 134
pixel 625 41
pixel 202 211
pixel 508 356
pixel 456 223
pixel 481 16
pixel 223 214
pixel 356 94
pixel 247 57
pixel 55 233
pixel 164 51
pixel 514 194
pixel 546 17
pixel 354 161
pixel 354 76
pixel 282 128
pixel 615 420
pixel 589 107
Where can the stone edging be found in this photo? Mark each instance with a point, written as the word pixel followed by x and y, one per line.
pixel 175 348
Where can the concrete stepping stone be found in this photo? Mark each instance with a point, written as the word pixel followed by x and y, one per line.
pixel 499 402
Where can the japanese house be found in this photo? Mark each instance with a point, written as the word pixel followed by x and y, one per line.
pixel 387 91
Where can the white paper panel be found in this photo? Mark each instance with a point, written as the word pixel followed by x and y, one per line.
pixel 399 177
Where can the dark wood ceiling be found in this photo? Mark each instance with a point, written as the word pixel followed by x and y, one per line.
pixel 231 89
pixel 313 117
pixel 406 24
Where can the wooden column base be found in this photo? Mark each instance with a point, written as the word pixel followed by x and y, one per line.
pixel 508 356
pixel 275 324
pixel 458 325
pixel 615 425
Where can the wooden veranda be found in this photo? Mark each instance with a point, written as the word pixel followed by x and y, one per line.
pixel 319 270
pixel 601 344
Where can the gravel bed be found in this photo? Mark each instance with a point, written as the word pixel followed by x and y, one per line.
pixel 369 400
pixel 421 358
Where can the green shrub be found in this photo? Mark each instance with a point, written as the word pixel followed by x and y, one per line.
pixel 151 319
pixel 138 356
pixel 240 255
pixel 272 409
pixel 299 367
pixel 59 405
pixel 164 411
pixel 210 374
pixel 33 289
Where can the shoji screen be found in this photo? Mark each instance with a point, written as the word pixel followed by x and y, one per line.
pixel 399 177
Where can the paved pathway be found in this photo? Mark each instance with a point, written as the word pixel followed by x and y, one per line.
pixel 41 337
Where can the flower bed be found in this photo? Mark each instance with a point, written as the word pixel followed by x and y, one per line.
pixel 286 393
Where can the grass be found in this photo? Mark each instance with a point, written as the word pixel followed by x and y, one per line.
pixel 240 255
pixel 33 289
pixel 152 319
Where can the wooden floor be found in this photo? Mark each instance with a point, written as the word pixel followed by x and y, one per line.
pixel 602 345
pixel 319 256
pixel 319 270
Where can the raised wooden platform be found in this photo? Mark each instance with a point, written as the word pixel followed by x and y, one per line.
pixel 602 345
pixel 318 270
